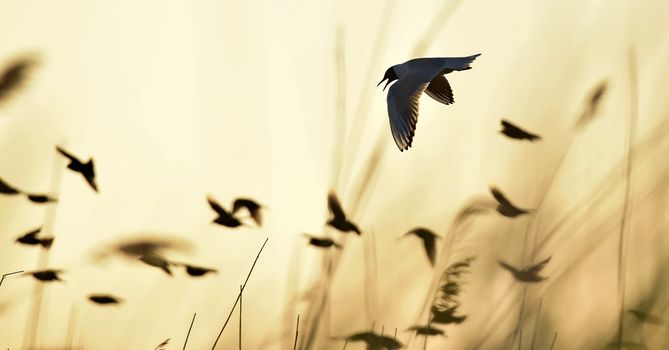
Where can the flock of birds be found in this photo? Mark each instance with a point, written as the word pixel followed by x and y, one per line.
pixel 410 79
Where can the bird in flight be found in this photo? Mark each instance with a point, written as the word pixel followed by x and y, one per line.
pixel 322 242
pixel 429 238
pixel 447 315
pixel 426 330
pixel 8 189
pixel 517 133
pixel 338 219
pixel 196 271
pixel 375 341
pixel 413 78
pixel 40 198
pixel 254 208
pixel 46 275
pixel 528 275
pixel 87 169
pixel 504 206
pixel 104 299
pixel 31 238
pixel 224 217
pixel 14 76
pixel 156 261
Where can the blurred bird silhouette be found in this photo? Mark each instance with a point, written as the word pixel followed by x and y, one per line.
pixel 14 76
pixel 517 133
pixel 41 198
pixel 87 170
pixel 375 341
pixel 30 238
pixel 447 315
pixel 253 207
pixel 104 299
pixel 156 261
pixel 413 78
pixel 505 207
pixel 224 217
pixel 646 317
pixel 49 275
pixel 528 275
pixel 429 238
pixel 426 330
pixel 162 345
pixel 338 219
pixel 8 189
pixel 196 271
pixel 322 242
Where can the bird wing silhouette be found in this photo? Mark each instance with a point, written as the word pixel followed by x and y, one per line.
pixel 519 133
pixel 508 267
pixel 428 243
pixel 7 188
pixel 67 155
pixel 499 196
pixel 217 207
pixel 251 206
pixel 335 207
pixel 535 269
pixel 402 100
pixel 440 90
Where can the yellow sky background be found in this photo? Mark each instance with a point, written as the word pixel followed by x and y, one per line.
pixel 177 100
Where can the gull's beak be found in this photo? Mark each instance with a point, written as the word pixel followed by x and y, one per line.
pixel 385 86
pixel 384 79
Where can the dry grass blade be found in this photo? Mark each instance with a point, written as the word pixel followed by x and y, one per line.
pixel 626 212
pixel 8 274
pixel 239 295
pixel 189 329
pixel 297 332
pixel 447 300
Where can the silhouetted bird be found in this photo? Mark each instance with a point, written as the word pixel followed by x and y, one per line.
pixel 30 238
pixel 530 274
pixel 375 341
pixel 104 299
pixel 197 271
pixel 224 217
pixel 162 345
pixel 517 133
pixel 14 76
pixel 8 189
pixel 338 219
pixel 413 78
pixel 322 242
pixel 428 237
pixel 49 275
pixel 426 330
pixel 253 207
pixel 447 315
pixel 156 261
pixel 505 207
pixel 646 317
pixel 87 170
pixel 41 198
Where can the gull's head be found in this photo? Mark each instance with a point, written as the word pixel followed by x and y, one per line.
pixel 390 76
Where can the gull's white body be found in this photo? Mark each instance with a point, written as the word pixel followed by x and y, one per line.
pixel 413 78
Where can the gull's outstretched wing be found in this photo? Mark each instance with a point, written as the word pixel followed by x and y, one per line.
pixel 403 107
pixel 440 90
